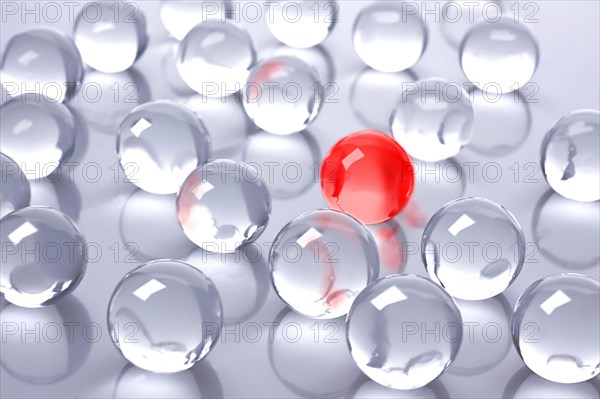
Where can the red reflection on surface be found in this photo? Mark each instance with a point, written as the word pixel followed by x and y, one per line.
pixel 264 73
pixel 414 216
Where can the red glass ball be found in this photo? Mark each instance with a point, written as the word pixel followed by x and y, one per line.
pixel 367 175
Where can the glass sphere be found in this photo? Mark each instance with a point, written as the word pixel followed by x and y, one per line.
pixel 222 205
pixel 367 167
pixel 403 331
pixel 433 120
pixel 499 56
pixel 215 57
pixel 387 38
pixel 159 144
pixel 43 256
pixel 283 95
pixel 15 192
pixel 320 261
pixel 474 248
pixel 180 16
pixel 303 23
pixel 570 156
pixel 41 61
pixel 146 321
pixel 37 133
pixel 110 36
pixel 556 325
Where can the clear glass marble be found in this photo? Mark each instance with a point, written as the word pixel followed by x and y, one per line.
pixel 387 38
pixel 403 331
pixel 499 56
pixel 159 144
pixel 111 36
pixel 320 261
pixel 215 57
pixel 146 321
pixel 42 61
pixel 474 248
pixel 433 120
pixel 43 256
pixel 302 23
pixel 222 205
pixel 556 325
pixel 180 16
pixel 15 192
pixel 37 133
pixel 570 157
pixel 282 95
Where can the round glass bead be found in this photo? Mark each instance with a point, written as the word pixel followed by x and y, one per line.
pixel 499 56
pixel 37 133
pixel 403 331
pixel 159 144
pixel 42 61
pixel 43 256
pixel 282 95
pixel 556 325
pixel 320 261
pixel 111 36
pixel 474 248
pixel 387 38
pixel 147 323
pixel 222 205
pixel 367 175
pixel 215 57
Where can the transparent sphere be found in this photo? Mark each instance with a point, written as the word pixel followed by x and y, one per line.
pixel 556 325
pixel 215 57
pixel 180 16
pixel 282 95
pixel 41 61
pixel 433 119
pixel 499 56
pixel 159 144
pixel 146 320
pixel 222 205
pixel 15 192
pixel 387 38
pixel 303 23
pixel 43 256
pixel 403 331
pixel 474 248
pixel 320 261
pixel 570 156
pixel 111 36
pixel 37 133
